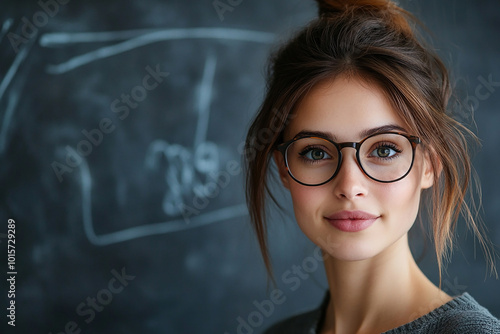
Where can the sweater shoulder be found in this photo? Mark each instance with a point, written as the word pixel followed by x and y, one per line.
pixel 462 315
pixel 470 321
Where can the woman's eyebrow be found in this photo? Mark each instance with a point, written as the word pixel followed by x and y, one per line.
pixel 362 134
pixel 383 128
pixel 311 133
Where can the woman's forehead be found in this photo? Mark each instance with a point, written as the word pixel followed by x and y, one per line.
pixel 345 107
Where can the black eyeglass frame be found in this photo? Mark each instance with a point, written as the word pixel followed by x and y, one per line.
pixel 283 147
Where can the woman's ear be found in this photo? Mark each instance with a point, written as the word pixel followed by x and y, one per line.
pixel 432 167
pixel 282 170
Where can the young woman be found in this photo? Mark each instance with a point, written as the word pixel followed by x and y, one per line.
pixel 355 119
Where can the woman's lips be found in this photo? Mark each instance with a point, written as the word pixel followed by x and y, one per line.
pixel 351 221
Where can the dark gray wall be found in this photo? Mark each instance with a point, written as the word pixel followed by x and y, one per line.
pixel 158 195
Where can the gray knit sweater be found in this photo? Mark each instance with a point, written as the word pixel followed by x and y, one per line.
pixel 462 315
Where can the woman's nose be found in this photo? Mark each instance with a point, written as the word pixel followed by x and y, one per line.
pixel 350 181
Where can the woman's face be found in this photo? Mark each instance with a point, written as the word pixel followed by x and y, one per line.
pixel 345 109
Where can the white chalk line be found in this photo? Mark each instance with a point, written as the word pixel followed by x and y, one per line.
pixel 156 36
pixel 150 229
pixel 5 27
pixel 204 99
pixel 14 97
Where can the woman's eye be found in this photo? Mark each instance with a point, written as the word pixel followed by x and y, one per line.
pixel 383 152
pixel 316 154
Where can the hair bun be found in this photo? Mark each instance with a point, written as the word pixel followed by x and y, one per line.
pixel 327 7
pixel 386 9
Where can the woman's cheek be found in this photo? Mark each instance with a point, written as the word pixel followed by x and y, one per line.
pixel 399 202
pixel 308 203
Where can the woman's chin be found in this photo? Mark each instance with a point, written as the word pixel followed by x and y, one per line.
pixel 353 249
pixel 353 254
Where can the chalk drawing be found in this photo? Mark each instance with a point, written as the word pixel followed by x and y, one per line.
pixel 188 171
pixel 11 72
pixel 13 100
pixel 142 40
pixel 13 97
pixel 149 229
pixel 5 27
pixel 204 99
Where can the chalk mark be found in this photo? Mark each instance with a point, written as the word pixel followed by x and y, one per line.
pixel 11 72
pixel 9 112
pixel 186 169
pixel 149 38
pixel 204 153
pixel 5 27
pixel 13 97
pixel 204 99
pixel 55 39
pixel 144 230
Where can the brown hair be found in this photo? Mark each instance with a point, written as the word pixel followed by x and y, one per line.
pixel 373 40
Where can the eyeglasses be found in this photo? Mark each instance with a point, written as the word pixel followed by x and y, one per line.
pixel 384 157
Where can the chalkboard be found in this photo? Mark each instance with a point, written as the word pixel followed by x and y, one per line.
pixel 122 125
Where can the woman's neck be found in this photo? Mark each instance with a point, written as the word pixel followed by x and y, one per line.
pixel 376 295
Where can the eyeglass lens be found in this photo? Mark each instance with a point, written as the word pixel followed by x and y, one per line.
pixel 383 157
